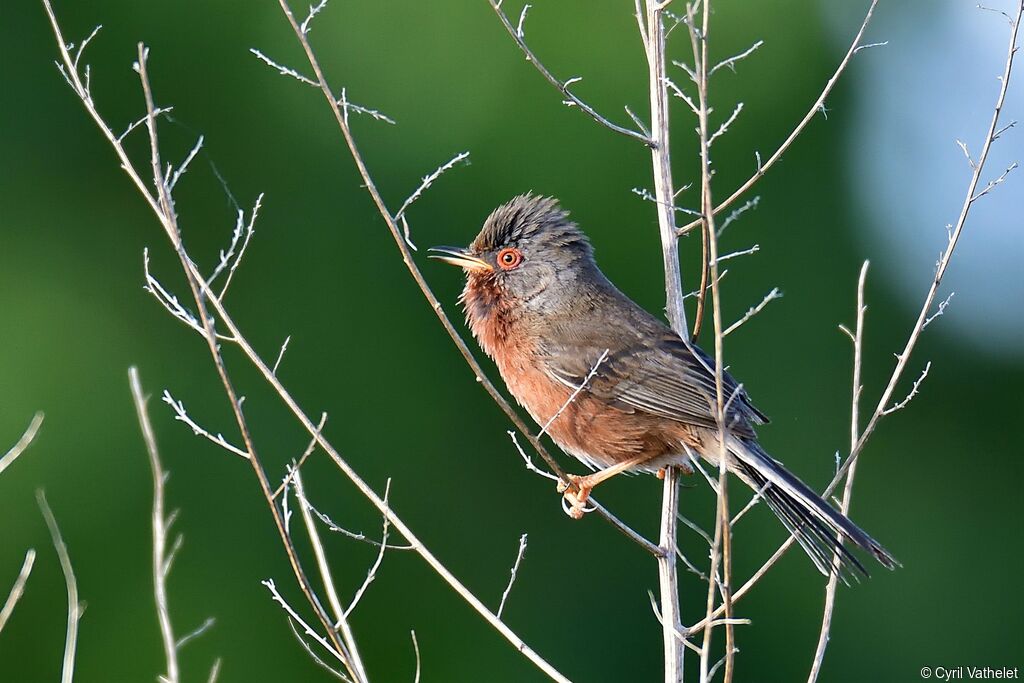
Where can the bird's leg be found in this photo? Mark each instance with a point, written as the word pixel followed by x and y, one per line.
pixel 585 484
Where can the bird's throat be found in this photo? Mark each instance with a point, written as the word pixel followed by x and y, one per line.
pixel 489 314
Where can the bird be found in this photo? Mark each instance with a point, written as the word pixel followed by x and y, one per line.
pixel 613 385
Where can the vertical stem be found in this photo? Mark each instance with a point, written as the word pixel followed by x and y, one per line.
pixel 721 552
pixel 341 622
pixel 833 579
pixel 664 190
pixel 668 578
pixel 159 523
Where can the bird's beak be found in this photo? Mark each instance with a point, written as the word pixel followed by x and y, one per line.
pixel 458 256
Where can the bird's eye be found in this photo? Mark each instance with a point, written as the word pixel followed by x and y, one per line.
pixel 509 258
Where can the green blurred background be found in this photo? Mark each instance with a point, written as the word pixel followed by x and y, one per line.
pixel 939 484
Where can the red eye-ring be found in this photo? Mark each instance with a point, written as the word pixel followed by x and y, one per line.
pixel 509 258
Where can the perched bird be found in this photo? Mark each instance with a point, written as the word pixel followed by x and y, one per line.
pixel 612 384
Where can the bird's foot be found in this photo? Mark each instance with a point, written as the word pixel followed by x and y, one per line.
pixel 684 467
pixel 575 495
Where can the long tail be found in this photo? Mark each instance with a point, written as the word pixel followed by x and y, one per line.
pixel 815 524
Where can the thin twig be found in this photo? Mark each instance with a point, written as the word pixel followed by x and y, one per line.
pixel 514 574
pixel 371 573
pixel 214 671
pixel 576 392
pixel 815 108
pixel 294 616
pixel 769 297
pixel 416 649
pixel 428 180
pixel 562 86
pixel 249 231
pixel 314 656
pixel 23 443
pixel 207 624
pixel 721 549
pixel 74 607
pixel 181 415
pixel 833 579
pixel 652 34
pixel 302 459
pixel 731 62
pixel 161 564
pixel 18 588
pixel 353 660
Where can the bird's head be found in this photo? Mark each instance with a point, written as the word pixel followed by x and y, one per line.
pixel 527 254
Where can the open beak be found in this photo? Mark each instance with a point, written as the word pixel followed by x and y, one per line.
pixel 458 256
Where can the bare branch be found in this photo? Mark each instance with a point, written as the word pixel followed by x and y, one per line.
pixel 214 671
pixel 833 580
pixel 313 11
pixel 754 500
pixel 725 126
pixel 294 616
pixel 74 607
pixel 283 70
pixel 371 574
pixel 646 195
pixel 963 148
pixel 721 548
pixel 868 46
pixel 170 302
pixel 18 588
pixel 23 443
pixel 769 297
pixel 161 563
pixel 678 92
pixel 815 107
pixel 992 183
pixel 731 62
pixel 332 526
pixel 230 259
pixel 302 459
pixel 348 106
pixel 181 415
pixel 280 354
pixel 159 111
pixel 184 164
pixel 516 32
pixel 195 633
pixel 350 652
pixel 314 656
pixel 743 252
pixel 913 392
pixel 512 578
pixel 416 649
pixel 427 181
pixel 575 393
pixel 162 205
pixel 941 309
pixel 736 213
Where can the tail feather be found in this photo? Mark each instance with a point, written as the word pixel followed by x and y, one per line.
pixel 817 526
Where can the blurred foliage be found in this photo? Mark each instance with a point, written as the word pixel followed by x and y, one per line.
pixel 365 348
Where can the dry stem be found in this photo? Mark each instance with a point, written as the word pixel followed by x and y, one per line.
pixel 18 588
pixel 721 549
pixel 815 108
pixel 833 580
pixel 160 524
pixel 23 443
pixel 74 606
